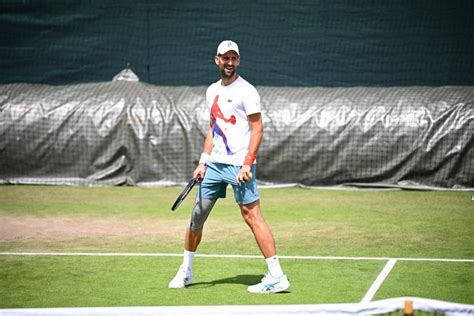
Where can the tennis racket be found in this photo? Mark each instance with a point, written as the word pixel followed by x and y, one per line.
pixel 185 193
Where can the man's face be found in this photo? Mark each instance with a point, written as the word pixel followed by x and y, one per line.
pixel 228 63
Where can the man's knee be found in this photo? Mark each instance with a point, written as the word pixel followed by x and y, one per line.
pixel 251 212
pixel 200 213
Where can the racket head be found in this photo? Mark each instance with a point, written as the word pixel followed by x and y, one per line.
pixel 184 193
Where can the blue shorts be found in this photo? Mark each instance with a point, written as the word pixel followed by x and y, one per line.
pixel 218 176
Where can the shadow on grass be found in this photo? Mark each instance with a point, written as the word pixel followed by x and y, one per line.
pixel 244 279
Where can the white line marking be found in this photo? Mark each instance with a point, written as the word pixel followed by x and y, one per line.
pixel 128 254
pixel 378 282
pixel 391 305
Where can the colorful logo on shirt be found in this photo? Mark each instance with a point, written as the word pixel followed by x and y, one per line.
pixel 216 113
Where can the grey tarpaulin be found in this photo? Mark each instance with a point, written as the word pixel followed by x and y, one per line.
pixel 135 133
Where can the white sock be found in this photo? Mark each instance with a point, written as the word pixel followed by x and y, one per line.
pixel 274 267
pixel 188 257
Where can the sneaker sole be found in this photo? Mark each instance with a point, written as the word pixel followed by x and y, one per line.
pixel 274 290
pixel 280 289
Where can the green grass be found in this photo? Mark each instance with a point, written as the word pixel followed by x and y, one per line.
pixel 363 223
pixel 449 281
pixel 131 281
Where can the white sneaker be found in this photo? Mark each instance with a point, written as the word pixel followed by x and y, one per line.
pixel 182 278
pixel 270 284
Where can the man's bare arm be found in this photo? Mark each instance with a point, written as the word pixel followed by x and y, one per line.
pixel 256 136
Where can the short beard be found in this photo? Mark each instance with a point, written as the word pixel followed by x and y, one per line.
pixel 225 75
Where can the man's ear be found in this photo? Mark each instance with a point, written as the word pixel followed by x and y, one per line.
pixel 216 60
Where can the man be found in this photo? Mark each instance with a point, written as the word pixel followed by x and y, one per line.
pixel 229 157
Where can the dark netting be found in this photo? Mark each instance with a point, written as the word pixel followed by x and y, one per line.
pixel 139 134
pixel 283 42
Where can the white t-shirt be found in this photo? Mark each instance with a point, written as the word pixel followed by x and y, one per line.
pixel 230 105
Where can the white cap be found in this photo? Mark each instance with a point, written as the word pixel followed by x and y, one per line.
pixel 226 46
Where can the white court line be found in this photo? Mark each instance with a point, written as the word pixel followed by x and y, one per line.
pixel 366 299
pixel 385 306
pixel 378 282
pixel 134 254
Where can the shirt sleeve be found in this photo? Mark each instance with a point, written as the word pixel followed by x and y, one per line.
pixel 251 101
pixel 208 95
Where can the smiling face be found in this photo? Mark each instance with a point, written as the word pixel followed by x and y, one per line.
pixel 228 64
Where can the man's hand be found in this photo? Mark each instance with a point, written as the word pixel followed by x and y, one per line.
pixel 244 174
pixel 199 171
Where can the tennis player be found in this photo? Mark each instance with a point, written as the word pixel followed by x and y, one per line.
pixel 229 157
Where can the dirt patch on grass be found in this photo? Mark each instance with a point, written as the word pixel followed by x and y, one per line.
pixel 29 228
pixel 52 229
